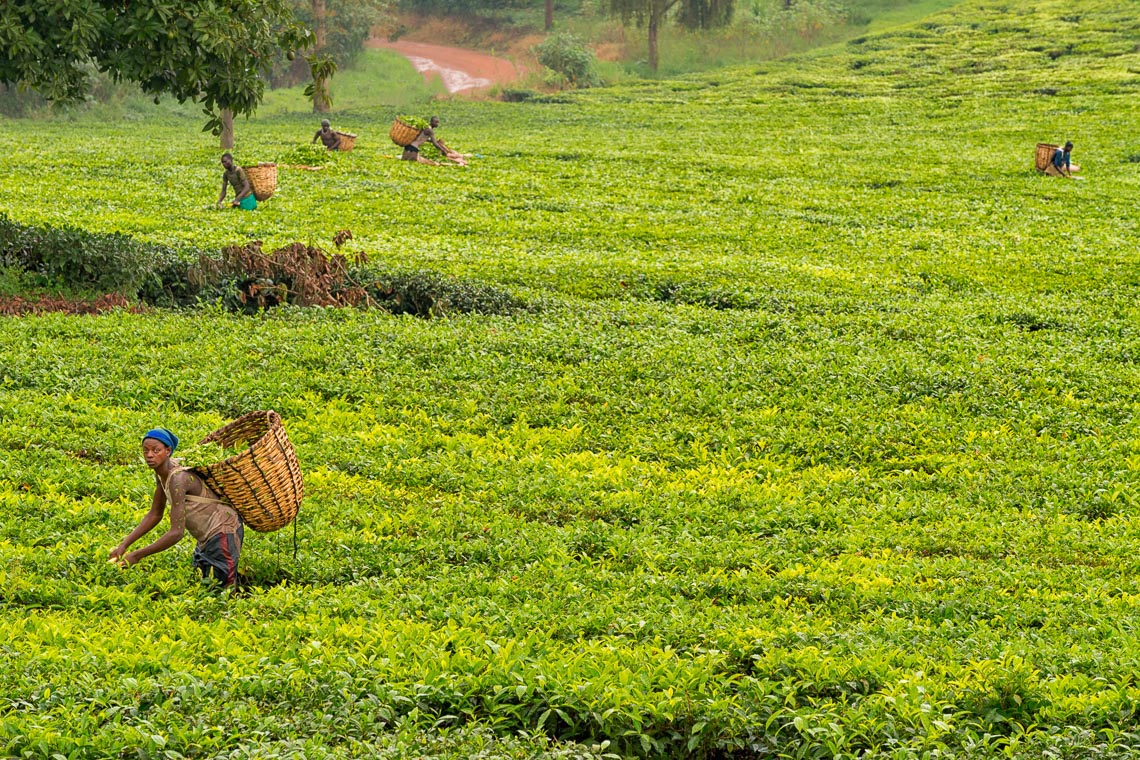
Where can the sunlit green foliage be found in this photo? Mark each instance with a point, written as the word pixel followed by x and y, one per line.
pixel 824 440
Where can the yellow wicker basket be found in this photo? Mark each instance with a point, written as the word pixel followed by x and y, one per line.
pixel 402 134
pixel 347 142
pixel 263 483
pixel 1044 156
pixel 263 180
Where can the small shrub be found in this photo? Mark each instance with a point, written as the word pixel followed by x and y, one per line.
pixel 308 155
pixel 430 294
pixel 566 55
pixel 517 96
pixel 168 285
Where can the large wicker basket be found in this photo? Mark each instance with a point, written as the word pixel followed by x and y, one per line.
pixel 263 180
pixel 402 134
pixel 347 142
pixel 1044 155
pixel 263 483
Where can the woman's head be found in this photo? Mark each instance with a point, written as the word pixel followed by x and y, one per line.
pixel 158 445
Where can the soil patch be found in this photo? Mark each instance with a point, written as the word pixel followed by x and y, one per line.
pixel 460 70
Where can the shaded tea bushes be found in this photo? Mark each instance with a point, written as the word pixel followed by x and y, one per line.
pixel 77 259
pixel 243 278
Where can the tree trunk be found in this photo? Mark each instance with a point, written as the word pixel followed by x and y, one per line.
pixel 320 86
pixel 227 137
pixel 549 15
pixel 654 19
pixel 319 26
pixel 321 96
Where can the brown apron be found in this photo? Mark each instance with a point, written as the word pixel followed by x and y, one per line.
pixel 206 515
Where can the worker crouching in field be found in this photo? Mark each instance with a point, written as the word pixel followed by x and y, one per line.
pixel 327 135
pixel 1061 164
pixel 193 507
pixel 234 176
pixel 427 134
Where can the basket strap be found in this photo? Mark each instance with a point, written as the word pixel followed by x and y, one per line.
pixel 205 500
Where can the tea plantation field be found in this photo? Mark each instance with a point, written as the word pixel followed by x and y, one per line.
pixel 818 435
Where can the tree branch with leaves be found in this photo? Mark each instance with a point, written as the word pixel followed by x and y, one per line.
pixel 207 51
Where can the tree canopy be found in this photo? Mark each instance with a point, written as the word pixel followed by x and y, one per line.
pixel 209 51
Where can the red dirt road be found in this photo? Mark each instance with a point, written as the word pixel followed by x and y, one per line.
pixel 460 70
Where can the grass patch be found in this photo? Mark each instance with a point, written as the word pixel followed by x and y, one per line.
pixel 378 79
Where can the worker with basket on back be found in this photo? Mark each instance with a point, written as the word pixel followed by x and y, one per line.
pixel 194 509
pixel 426 134
pixel 1061 164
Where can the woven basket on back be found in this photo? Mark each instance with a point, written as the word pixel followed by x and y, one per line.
pixel 263 483
pixel 402 134
pixel 1044 156
pixel 263 180
pixel 347 142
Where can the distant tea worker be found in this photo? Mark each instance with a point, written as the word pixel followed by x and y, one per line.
pixel 327 135
pixel 194 509
pixel 234 176
pixel 426 135
pixel 1061 164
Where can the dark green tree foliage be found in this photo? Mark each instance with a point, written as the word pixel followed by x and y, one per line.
pixel 348 24
pixel 210 51
pixel 705 14
pixel 692 14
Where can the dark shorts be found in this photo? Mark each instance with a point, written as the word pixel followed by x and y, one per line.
pixel 410 153
pixel 218 557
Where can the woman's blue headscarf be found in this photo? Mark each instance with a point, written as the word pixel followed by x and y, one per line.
pixel 163 436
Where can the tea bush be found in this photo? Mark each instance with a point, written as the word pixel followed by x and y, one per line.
pixel 431 294
pixel 74 258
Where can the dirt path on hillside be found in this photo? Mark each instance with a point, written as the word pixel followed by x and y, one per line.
pixel 460 70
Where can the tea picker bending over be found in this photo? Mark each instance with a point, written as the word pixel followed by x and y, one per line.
pixel 1061 164
pixel 235 177
pixel 194 508
pixel 427 134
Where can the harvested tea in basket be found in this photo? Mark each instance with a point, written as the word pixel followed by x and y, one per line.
pixel 263 481
pixel 404 130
